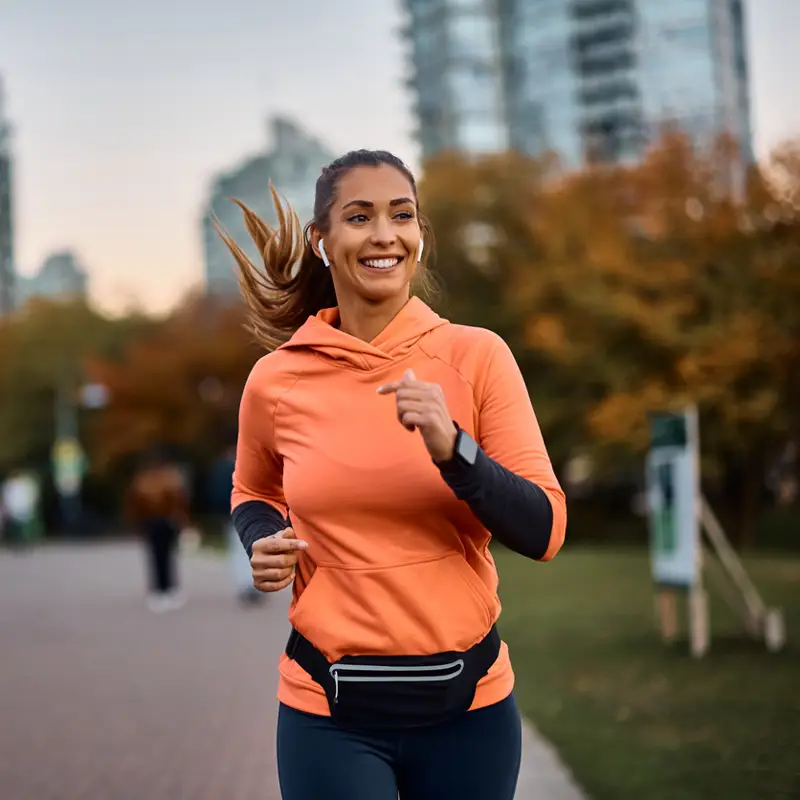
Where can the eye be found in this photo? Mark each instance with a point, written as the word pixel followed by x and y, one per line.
pixel 405 215
pixel 357 218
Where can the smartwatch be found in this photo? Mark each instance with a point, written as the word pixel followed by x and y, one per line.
pixel 465 449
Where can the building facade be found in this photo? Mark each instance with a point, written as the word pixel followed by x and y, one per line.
pixel 457 77
pixel 61 277
pixel 293 165
pixel 593 80
pixel 7 271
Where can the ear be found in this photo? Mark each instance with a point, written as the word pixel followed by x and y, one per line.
pixel 314 238
pixel 323 255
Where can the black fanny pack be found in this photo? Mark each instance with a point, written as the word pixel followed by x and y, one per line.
pixel 373 692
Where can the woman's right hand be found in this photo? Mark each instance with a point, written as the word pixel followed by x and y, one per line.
pixel 274 559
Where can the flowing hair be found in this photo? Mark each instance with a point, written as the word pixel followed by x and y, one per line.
pixel 292 283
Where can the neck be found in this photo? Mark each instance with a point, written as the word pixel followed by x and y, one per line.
pixel 365 320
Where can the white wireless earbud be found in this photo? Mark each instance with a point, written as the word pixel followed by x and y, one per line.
pixel 419 252
pixel 324 255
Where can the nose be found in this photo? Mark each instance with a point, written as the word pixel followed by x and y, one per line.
pixel 383 231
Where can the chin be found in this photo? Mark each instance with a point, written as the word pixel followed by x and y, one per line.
pixel 376 294
pixel 384 288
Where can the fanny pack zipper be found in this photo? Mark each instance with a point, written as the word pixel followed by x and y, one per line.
pixel 390 674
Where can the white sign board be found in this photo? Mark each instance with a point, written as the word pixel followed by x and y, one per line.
pixel 673 494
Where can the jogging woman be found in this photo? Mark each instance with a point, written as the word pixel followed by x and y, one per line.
pixel 380 448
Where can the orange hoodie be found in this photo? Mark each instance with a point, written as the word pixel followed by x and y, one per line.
pixel 396 564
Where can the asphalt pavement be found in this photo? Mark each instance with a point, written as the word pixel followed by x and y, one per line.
pixel 101 699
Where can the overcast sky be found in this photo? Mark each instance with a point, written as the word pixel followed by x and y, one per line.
pixel 124 111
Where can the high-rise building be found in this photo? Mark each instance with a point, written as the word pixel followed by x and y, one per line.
pixel 6 212
pixel 293 165
pixel 590 79
pixel 61 277
pixel 457 75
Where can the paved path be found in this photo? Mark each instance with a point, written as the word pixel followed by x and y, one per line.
pixel 102 700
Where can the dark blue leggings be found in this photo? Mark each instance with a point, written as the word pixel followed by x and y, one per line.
pixel 475 757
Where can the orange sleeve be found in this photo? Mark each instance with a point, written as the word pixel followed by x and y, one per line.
pixel 258 473
pixel 509 433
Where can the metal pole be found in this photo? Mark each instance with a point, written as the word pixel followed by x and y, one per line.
pixel 66 418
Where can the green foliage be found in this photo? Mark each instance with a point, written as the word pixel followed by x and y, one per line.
pixel 44 347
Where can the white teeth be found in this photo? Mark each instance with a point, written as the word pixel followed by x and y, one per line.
pixel 382 263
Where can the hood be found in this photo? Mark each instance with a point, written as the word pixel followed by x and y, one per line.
pixel 394 342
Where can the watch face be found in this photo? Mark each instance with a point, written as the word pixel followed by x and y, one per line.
pixel 467 448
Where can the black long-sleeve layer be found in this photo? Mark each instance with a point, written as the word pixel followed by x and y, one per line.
pixel 514 510
pixel 256 520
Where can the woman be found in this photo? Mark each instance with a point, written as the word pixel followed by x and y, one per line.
pixel 401 443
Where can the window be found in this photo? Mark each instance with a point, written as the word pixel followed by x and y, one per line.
pixel 481 135
pixel 472 36
pixel 475 89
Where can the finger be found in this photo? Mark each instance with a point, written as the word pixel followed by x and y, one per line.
pixel 271 586
pixel 413 419
pixel 413 405
pixel 282 542
pixel 417 391
pixel 409 379
pixel 273 575
pixel 402 386
pixel 406 407
pixel 267 543
pixel 274 560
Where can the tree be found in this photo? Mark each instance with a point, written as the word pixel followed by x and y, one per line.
pixel 177 386
pixel 691 289
pixel 630 290
pixel 481 210
pixel 42 349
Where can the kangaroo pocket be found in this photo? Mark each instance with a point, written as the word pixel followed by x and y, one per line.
pixel 414 609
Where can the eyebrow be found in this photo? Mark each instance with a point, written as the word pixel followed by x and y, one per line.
pixel 398 201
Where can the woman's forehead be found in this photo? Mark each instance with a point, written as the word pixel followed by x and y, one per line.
pixel 383 183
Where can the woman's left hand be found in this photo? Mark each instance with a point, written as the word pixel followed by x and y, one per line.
pixel 421 405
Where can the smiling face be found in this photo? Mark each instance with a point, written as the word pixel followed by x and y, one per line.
pixel 373 236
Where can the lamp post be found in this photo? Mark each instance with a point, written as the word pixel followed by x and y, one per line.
pixel 69 459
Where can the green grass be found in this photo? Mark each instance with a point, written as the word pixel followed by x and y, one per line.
pixel 639 720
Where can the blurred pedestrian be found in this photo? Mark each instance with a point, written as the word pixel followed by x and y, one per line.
pixel 402 444
pixel 19 507
pixel 157 504
pixel 221 486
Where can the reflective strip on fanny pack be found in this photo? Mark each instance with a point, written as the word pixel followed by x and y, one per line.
pixel 391 675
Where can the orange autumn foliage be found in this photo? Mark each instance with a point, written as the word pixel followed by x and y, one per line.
pixel 180 385
pixel 626 290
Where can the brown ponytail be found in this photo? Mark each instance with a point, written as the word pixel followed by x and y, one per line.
pixel 294 283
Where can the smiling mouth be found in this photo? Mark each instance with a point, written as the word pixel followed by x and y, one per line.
pixel 380 263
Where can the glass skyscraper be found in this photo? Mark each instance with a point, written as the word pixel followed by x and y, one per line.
pixel 457 74
pixel 7 272
pixel 293 165
pixel 590 79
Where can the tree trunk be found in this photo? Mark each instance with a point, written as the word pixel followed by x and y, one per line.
pixel 741 496
pixel 751 491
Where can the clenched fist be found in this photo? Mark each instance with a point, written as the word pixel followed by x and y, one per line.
pixel 422 406
pixel 274 559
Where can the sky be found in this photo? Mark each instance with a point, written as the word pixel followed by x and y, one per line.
pixel 124 112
